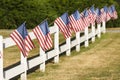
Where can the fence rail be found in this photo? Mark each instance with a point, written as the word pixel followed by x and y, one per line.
pixel 40 60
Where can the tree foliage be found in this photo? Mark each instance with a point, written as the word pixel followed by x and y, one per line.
pixel 15 12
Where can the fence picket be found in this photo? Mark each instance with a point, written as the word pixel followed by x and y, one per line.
pixel 86 36
pixel 68 52
pixel 93 32
pixel 42 66
pixel 103 27
pixel 99 30
pixel 56 43
pixel 78 41
pixel 24 64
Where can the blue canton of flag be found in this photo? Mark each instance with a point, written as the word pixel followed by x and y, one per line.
pixel 42 34
pixel 98 12
pixel 64 25
pixel 44 27
pixel 22 39
pixel 22 31
pixel 85 13
pixel 76 15
pixel 105 9
pixel 65 18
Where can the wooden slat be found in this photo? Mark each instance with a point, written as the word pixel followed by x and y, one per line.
pixel 63 48
pixel 82 39
pixel 8 42
pixel 17 70
pixel 90 35
pixel 50 54
pixel 52 30
pixel 35 61
pixel 32 36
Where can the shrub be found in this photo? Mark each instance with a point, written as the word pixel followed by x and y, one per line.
pixel 15 12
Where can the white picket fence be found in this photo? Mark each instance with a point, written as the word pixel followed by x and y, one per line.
pixel 40 60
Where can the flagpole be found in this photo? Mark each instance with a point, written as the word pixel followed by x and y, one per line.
pixel 51 23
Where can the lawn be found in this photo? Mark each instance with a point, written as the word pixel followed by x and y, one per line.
pixel 100 61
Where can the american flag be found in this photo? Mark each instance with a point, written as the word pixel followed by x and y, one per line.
pixel 113 12
pixel 22 39
pixel 64 25
pixel 81 23
pixel 107 13
pixel 103 15
pixel 85 17
pixel 76 21
pixel 92 14
pixel 42 34
pixel 98 17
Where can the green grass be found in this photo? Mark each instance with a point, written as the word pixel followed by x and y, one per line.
pixel 100 61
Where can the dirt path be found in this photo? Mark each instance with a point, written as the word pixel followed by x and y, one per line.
pixel 101 61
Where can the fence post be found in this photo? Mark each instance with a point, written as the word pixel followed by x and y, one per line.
pixel 93 32
pixel 103 27
pixel 56 43
pixel 1 58
pixel 42 54
pixel 99 30
pixel 68 52
pixel 86 36
pixel 24 65
pixel 78 41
